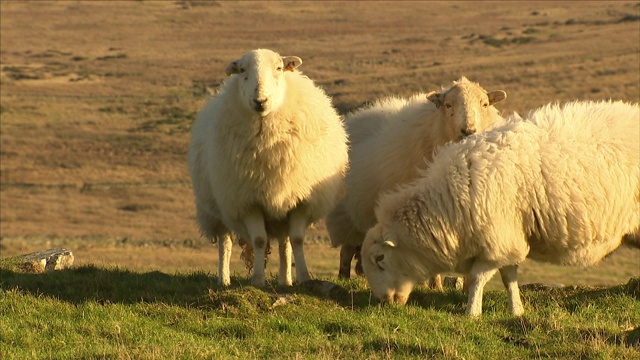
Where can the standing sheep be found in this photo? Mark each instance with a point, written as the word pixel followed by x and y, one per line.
pixel 267 158
pixel 390 141
pixel 561 187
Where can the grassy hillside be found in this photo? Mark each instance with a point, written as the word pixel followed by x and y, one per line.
pixel 96 105
pixel 92 312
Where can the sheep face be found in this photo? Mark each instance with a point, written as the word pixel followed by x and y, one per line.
pixel 261 79
pixel 467 107
pixel 383 268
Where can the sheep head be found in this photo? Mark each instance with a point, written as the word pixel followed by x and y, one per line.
pixel 467 107
pixel 382 265
pixel 261 78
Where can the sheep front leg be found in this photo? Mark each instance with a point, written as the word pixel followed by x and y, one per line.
pixel 509 276
pixel 254 223
pixel 224 258
pixel 481 273
pixel 298 222
pixel 284 248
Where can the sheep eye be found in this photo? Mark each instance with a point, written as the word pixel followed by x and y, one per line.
pixel 241 70
pixel 379 258
pixel 485 105
pixel 279 68
pixel 448 106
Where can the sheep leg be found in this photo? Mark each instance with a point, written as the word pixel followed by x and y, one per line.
pixel 435 283
pixel 254 223
pixel 359 270
pixel 224 258
pixel 481 273
pixel 284 275
pixel 509 276
pixel 347 252
pixel 298 222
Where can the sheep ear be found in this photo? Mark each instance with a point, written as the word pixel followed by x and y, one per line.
pixel 232 68
pixel 435 98
pixel 291 62
pixel 496 96
pixel 387 241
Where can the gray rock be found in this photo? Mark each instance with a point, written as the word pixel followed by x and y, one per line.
pixel 48 260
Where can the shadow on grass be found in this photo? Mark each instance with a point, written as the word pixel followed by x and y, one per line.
pixel 575 297
pixel 394 348
pixel 104 286
pixel 91 283
pixel 451 301
pixel 355 294
pixel 119 286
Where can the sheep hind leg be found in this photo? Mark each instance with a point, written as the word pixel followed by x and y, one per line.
pixel 224 259
pixel 435 283
pixel 359 270
pixel 284 248
pixel 509 276
pixel 481 273
pixel 347 253
pixel 298 222
pixel 254 223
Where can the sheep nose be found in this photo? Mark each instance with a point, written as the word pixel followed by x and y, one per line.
pixel 259 104
pixel 467 132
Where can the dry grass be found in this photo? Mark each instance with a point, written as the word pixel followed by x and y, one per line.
pixel 97 98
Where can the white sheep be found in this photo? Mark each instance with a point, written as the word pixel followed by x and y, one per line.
pixel 390 140
pixel 562 186
pixel 267 158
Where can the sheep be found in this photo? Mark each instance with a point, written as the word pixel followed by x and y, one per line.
pixel 267 158
pixel 360 126
pixel 561 186
pixel 390 140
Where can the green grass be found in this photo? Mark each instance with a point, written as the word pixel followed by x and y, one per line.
pixel 95 130
pixel 91 312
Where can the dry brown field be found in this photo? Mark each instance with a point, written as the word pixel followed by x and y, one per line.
pixel 97 101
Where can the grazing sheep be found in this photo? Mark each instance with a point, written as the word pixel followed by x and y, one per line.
pixel 267 158
pixel 562 186
pixel 390 140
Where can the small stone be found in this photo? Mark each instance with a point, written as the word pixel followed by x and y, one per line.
pixel 48 260
pixel 283 300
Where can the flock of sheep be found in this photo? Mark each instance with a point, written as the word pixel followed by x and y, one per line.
pixel 413 187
